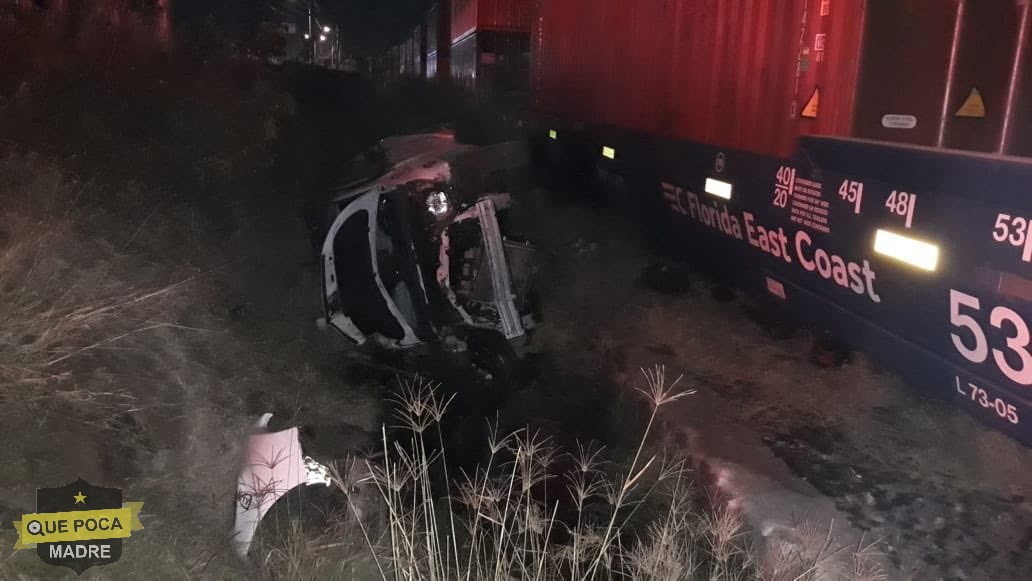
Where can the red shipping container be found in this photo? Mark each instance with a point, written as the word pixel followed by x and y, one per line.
pixel 756 74
pixel 905 69
pixel 505 15
pixel 733 73
pixel 753 75
pixel 494 64
pixel 957 70
pixel 468 16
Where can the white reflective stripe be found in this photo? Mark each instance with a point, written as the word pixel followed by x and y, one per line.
pixel 923 255
pixel 718 188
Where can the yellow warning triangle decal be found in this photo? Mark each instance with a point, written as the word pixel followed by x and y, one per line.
pixel 810 109
pixel 974 106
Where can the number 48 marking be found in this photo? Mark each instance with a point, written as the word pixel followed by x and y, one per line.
pixel 902 204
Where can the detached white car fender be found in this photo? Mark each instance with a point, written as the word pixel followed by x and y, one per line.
pixel 274 465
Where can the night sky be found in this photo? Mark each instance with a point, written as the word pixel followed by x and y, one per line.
pixel 377 24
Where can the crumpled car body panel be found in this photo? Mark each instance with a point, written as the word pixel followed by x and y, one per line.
pixel 374 227
pixel 274 465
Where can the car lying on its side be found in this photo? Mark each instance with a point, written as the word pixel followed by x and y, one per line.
pixel 416 249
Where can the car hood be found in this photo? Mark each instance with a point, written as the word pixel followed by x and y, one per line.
pixel 438 157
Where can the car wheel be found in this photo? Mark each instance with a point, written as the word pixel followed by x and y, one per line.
pixel 492 352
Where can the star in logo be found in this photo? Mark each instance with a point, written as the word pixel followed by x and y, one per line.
pixel 79 497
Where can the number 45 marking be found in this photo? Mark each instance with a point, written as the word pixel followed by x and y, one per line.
pixel 852 192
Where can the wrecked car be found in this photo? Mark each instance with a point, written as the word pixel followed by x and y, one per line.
pixel 416 249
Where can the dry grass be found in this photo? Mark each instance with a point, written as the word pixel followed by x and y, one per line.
pixel 518 517
pixel 154 297
pixel 60 298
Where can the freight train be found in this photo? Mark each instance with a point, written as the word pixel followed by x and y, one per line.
pixel 482 46
pixel 863 164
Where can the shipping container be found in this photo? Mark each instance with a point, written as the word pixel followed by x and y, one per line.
pixel 394 59
pixel 955 69
pixel 419 52
pixel 493 64
pixel 468 16
pixel 438 42
pixel 407 60
pixel 738 73
pixel 757 74
pixel 490 51
pixel 829 156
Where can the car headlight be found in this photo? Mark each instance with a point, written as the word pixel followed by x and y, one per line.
pixel 437 203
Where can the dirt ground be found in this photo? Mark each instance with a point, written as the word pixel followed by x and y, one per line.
pixel 942 496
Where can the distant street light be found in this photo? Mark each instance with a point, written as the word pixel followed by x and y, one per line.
pixel 307 36
pixel 322 38
pixel 326 29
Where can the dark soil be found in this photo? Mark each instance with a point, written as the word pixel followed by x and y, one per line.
pixel 945 525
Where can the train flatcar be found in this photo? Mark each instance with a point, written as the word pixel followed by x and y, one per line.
pixel 863 164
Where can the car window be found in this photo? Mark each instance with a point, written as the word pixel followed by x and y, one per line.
pixel 392 265
pixel 360 297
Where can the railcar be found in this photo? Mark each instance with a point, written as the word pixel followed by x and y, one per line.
pixel 864 164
